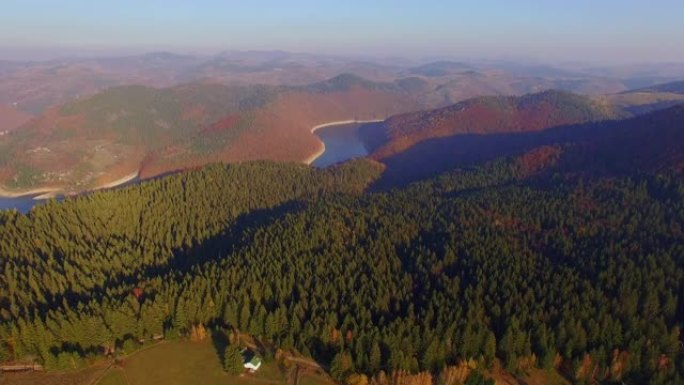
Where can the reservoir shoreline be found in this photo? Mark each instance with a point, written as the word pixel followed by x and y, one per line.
pixel 39 192
pixel 44 193
pixel 118 182
pixel 51 192
pixel 312 158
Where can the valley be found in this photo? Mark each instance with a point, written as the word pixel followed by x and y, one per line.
pixel 74 124
pixel 245 247
pixel 90 143
pixel 340 222
pixel 341 192
pixel 270 123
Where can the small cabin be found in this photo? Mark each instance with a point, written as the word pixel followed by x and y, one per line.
pixel 251 362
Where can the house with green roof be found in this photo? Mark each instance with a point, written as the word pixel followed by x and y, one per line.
pixel 252 362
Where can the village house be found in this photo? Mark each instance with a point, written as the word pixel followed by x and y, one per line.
pixel 252 362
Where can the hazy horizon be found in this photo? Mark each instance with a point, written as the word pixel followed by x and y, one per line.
pixel 607 32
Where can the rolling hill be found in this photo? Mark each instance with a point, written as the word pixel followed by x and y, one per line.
pixel 11 118
pixel 544 199
pixel 38 85
pixel 136 129
pixel 671 87
pixel 643 100
pixel 576 139
pixel 651 143
pixel 486 115
pixel 94 140
pixel 440 68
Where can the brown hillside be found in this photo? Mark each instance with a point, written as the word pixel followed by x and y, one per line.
pixel 650 143
pixel 11 118
pixel 286 133
pixel 93 141
pixel 281 131
pixel 488 115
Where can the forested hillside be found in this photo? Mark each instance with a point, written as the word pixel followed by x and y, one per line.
pixel 490 264
pixel 92 141
pixel 78 248
pixel 649 143
pixel 484 115
pixel 672 87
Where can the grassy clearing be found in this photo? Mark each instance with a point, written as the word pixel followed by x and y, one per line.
pixel 310 378
pixel 168 363
pixel 115 376
pixel 270 372
pixel 188 363
pixel 544 377
pixel 191 363
pixel 72 377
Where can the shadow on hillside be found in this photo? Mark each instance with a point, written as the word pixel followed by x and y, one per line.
pixel 231 238
pixel 216 247
pixel 372 135
pixel 609 146
pixel 647 108
pixel 435 156
pixel 219 341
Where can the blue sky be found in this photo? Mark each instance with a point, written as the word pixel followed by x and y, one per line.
pixel 591 30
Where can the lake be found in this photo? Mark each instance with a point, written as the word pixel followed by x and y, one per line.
pixel 342 142
pixel 22 204
pixel 25 203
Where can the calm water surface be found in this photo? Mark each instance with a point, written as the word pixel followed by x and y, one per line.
pixel 341 143
pixel 26 203
pixel 23 204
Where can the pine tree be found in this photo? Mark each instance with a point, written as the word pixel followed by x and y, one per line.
pixel 245 315
pixel 489 346
pixel 375 358
pixel 341 365
pixel 232 360
pixel 476 378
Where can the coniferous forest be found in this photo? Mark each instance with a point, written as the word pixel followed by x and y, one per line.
pixel 583 274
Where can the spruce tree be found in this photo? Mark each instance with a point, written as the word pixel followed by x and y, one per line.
pixel 232 360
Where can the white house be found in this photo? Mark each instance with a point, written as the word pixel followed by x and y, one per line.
pixel 251 361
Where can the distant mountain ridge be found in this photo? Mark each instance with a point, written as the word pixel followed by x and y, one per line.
pixel 37 85
pixel 644 100
pixel 672 87
pixel 440 68
pixel 347 81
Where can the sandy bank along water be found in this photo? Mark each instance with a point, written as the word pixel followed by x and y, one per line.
pixel 321 150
